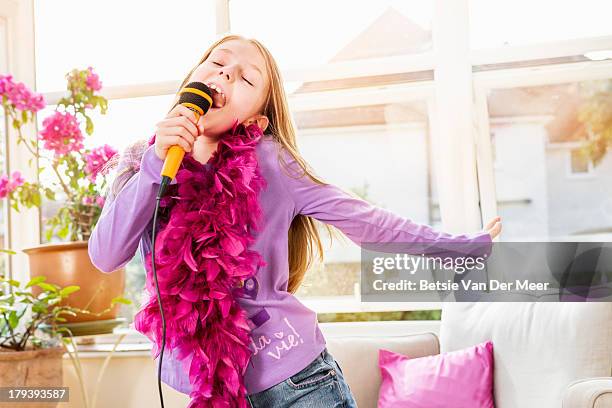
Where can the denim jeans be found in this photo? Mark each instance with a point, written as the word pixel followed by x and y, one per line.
pixel 320 385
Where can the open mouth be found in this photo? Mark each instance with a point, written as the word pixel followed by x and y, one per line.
pixel 219 98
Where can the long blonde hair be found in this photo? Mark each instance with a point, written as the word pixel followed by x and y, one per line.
pixel 304 240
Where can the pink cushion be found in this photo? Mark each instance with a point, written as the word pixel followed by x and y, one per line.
pixel 458 379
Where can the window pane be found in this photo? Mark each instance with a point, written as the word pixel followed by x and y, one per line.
pixel 579 163
pixel 499 23
pixel 134 41
pixel 537 131
pixel 316 32
pixel 385 160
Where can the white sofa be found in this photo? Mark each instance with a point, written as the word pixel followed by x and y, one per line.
pixel 547 355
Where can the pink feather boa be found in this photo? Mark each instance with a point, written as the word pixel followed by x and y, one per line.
pixel 208 221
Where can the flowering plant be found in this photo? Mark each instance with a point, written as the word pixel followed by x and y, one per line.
pixel 78 171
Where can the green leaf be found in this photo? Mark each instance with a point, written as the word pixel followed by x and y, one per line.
pixel 49 234
pixel 47 286
pixel 69 289
pixel 36 281
pixel 13 283
pixel 13 320
pixel 36 199
pixel 120 299
pixel 24 116
pixel 8 251
pixel 50 194
pixel 63 232
pixel 89 126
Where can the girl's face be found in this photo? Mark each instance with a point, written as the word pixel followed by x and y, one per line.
pixel 237 69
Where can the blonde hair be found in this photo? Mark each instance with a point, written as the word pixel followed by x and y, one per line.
pixel 304 240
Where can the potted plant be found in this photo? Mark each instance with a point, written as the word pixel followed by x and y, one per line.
pixel 78 180
pixel 32 339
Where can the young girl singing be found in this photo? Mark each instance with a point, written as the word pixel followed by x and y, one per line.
pixel 235 237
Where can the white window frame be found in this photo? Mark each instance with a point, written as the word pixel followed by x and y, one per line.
pixel 23 227
pixel 460 136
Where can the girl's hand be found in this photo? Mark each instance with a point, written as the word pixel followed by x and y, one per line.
pixel 178 128
pixel 494 227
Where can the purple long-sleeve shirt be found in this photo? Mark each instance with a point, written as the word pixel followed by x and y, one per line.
pixel 285 333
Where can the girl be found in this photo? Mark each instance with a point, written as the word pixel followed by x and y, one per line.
pixel 289 365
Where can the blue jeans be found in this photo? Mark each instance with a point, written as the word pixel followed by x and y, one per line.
pixel 320 385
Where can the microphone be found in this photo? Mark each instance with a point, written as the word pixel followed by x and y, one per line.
pixel 197 97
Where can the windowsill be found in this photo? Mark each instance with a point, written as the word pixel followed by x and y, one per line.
pixel 351 304
pixel 135 345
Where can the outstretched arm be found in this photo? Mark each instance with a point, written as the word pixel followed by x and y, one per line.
pixel 125 216
pixel 365 223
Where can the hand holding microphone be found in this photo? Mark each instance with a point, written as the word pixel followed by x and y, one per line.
pixel 177 129
pixel 177 133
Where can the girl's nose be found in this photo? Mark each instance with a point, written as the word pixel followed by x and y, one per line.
pixel 227 73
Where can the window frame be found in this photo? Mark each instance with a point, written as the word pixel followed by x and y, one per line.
pixel 23 227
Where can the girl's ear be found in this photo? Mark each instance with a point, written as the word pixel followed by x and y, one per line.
pixel 261 120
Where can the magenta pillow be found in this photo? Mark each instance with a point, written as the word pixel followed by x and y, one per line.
pixel 457 379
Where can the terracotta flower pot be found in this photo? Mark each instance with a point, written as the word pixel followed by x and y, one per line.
pixel 31 368
pixel 67 264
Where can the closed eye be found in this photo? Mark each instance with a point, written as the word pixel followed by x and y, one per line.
pixel 216 63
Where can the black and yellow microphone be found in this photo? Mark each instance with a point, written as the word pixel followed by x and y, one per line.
pixel 197 97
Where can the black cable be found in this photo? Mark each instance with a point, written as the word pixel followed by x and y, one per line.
pixel 164 183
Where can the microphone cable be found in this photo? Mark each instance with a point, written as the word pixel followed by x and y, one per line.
pixel 162 188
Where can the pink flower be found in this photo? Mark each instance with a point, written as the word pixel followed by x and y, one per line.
pixel 4 187
pixel 20 96
pixel 93 80
pixel 96 160
pixel 16 181
pixel 7 186
pixel 87 200
pixel 61 133
pixel 100 201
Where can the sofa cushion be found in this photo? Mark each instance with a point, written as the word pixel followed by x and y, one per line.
pixel 461 379
pixel 357 354
pixel 540 348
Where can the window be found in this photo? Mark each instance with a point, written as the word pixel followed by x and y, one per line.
pixel 579 163
pixel 385 160
pixel 540 134
pixel 126 42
